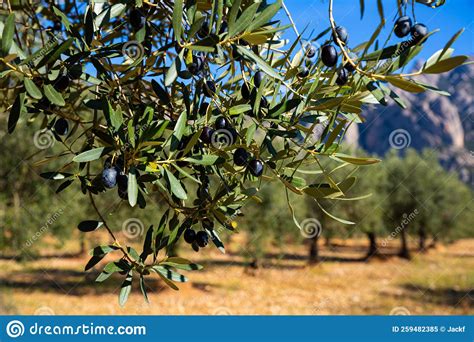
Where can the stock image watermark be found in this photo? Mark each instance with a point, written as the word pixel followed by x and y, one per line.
pixel 406 219
pixel 399 139
pixel 133 228
pixel 49 222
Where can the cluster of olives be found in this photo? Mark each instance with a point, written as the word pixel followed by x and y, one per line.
pixel 329 56
pixel 254 166
pixel 403 27
pixel 198 239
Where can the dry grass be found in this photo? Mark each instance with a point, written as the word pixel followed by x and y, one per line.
pixel 438 282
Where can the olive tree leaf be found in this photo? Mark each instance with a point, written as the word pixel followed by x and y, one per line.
pixel 125 289
pixel 169 274
pixel 177 19
pixel 175 185
pixel 261 63
pixel 15 112
pixel 244 20
pixel 445 65
pixel 53 95
pixel 32 89
pixel 266 15
pixel 132 187
pixel 89 155
pixel 7 35
pixel 89 226
pixel 404 84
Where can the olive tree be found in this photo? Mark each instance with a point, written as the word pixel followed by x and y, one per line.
pixel 193 105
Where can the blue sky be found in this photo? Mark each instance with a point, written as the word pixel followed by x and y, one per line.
pixel 449 18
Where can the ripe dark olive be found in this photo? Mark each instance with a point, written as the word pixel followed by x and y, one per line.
pixel 224 27
pixel 189 235
pixel 258 78
pixel 264 102
pixel 206 135
pixel 418 32
pixel 304 72
pixel 122 181
pixel 57 26
pixel 203 108
pixel 222 123
pixel 183 142
pixel 62 83
pixel 209 88
pixel 255 167
pixel 341 34
pixel 342 77
pixel 202 239
pixel 402 26
pixel 109 177
pixel 329 55
pixel 234 134
pixel 236 55
pixel 196 66
pixel 245 91
pixel 241 156
pixel 203 192
pixel 348 66
pixel 61 126
pixel 310 51
pixel 137 20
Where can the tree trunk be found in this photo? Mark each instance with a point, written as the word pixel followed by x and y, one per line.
pixel 422 241
pixel 327 241
pixel 372 245
pixel 313 251
pixel 404 251
pixel 83 245
pixel 433 242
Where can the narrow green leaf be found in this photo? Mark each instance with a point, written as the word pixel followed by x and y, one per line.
pixel 445 65
pixel 265 16
pixel 175 185
pixel 244 20
pixel 261 63
pixel 404 84
pixel 177 19
pixel 53 95
pixel 7 35
pixel 15 112
pixel 132 187
pixel 125 290
pixel 89 155
pixel 32 89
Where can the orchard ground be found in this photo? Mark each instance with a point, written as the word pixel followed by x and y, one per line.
pixel 438 282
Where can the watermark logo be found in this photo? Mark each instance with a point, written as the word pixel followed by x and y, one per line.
pixel 399 311
pixel 399 139
pixel 133 228
pixel 406 219
pixel 222 311
pixel 311 228
pixel 44 311
pixel 43 139
pixel 15 329
pixel 222 138
pixel 133 50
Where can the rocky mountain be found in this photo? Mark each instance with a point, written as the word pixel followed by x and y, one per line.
pixel 443 123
